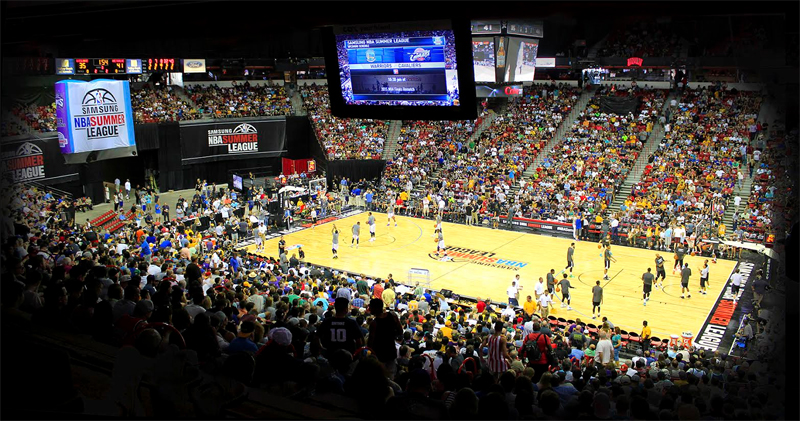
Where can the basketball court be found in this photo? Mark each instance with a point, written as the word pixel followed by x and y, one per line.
pixel 485 261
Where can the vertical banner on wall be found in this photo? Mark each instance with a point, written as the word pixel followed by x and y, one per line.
pixel 94 116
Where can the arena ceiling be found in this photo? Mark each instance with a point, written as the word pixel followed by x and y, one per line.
pixel 271 29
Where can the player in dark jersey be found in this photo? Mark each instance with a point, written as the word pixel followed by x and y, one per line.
pixel 597 299
pixel 660 272
pixel 680 252
pixel 647 280
pixel 607 259
pixel 570 260
pixel 565 287
pixel 281 246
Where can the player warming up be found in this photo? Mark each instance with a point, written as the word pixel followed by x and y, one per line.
pixel 437 226
pixel 704 277
pixel 647 280
pixel 597 299
pixel 356 232
pixel 390 213
pixel 564 286
pixel 570 261
pixel 607 259
pixel 440 244
pixel 660 272
pixel 335 245
pixel 371 223
pixel 686 272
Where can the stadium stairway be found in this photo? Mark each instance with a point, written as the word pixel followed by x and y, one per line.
pixel 566 123
pixel 390 146
pixel 650 147
pixel 181 93
pixel 768 113
pixel 297 103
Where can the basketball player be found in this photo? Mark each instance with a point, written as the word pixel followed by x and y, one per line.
pixel 680 252
pixel 685 274
pixel 356 232
pixel 390 212
pixel 647 280
pixel 570 261
pixel 371 223
pixel 261 233
pixel 440 244
pixel 551 281
pixel 660 272
pixel 597 299
pixel 607 259
pixel 426 203
pixel 704 277
pixel 565 286
pixel 438 227
pixel 281 246
pixel 313 218
pixel 335 246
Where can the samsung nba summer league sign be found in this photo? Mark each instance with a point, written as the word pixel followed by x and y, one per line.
pixel 94 116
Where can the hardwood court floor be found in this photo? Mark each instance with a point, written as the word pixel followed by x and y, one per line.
pixel 487 261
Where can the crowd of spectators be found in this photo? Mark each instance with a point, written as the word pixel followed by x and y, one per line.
pixel 189 301
pixel 159 104
pixel 240 100
pixel 342 138
pixel 690 179
pixel 476 176
pixel 39 118
pixel 585 170
pixel 641 40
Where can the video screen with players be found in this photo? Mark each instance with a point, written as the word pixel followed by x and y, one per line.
pixel 399 68
pixel 521 59
pixel 483 59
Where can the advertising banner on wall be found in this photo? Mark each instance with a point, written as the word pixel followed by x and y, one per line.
pixel 94 116
pixel 31 159
pixel 232 139
pixel 194 65
pixel 544 227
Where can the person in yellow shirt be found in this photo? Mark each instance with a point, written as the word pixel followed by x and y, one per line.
pixel 722 229
pixel 598 219
pixel 447 330
pixel 645 336
pixel 404 196
pixel 649 235
pixel 529 307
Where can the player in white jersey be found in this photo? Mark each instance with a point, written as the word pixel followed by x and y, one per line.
pixel 390 212
pixel 335 246
pixel 437 227
pixel 371 223
pixel 313 218
pixel 261 232
pixel 440 247
pixel 356 232
pixel 426 203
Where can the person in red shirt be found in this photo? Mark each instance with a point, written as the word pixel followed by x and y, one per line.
pixel 545 345
pixel 377 289
pixel 481 306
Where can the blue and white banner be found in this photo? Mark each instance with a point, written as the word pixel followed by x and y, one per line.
pixel 94 116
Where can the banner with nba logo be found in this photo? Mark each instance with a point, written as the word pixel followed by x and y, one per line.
pixel 94 116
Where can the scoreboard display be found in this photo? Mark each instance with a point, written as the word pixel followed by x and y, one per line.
pixel 161 64
pixel 95 66
pixel 486 27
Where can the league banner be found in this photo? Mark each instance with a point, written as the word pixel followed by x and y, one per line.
pixel 237 139
pixel 94 116
pixel 34 159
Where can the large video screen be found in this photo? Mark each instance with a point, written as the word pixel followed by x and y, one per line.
pixel 521 59
pixel 483 59
pixel 401 68
pixel 404 70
